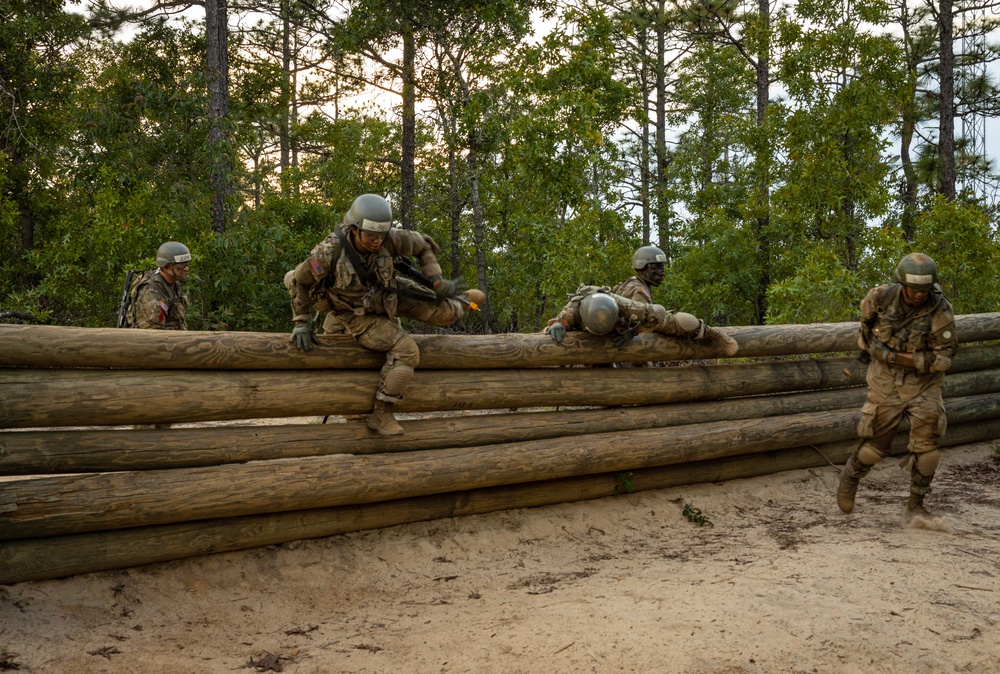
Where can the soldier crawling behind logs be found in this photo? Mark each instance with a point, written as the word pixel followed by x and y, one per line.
pixel 908 330
pixel 600 312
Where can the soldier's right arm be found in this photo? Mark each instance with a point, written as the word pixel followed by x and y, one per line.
pixel 308 273
pixel 151 308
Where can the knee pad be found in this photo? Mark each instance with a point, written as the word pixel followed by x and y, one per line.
pixel 926 463
pixel 396 380
pixel 869 455
pixel 686 322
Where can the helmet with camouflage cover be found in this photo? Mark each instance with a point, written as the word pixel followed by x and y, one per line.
pixel 370 213
pixel 647 255
pixel 172 252
pixel 598 313
pixel 917 271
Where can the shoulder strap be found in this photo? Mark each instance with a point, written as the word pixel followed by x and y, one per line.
pixel 370 280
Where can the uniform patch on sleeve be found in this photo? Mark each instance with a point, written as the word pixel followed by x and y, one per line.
pixel 316 267
pixel 648 294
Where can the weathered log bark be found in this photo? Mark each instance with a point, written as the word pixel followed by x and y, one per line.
pixel 34 507
pixel 54 346
pixel 56 451
pixel 44 398
pixel 37 398
pixel 61 556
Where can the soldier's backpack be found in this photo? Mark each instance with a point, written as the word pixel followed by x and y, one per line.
pixel 126 310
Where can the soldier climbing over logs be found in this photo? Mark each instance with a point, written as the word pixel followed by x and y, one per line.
pixel 600 312
pixel 908 333
pixel 353 273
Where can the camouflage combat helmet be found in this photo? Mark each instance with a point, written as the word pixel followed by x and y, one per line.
pixel 647 255
pixel 172 252
pixel 370 213
pixel 598 313
pixel 917 271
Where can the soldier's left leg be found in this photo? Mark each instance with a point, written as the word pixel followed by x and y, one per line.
pixel 928 423
pixel 441 313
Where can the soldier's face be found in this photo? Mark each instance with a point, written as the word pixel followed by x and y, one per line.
pixel 652 273
pixel 370 242
pixel 176 272
pixel 914 297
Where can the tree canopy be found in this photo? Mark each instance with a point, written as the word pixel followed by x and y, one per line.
pixel 784 156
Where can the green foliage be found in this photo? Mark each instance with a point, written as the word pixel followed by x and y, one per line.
pixel 695 516
pixel 623 483
pixel 960 238
pixel 715 274
pixel 8 660
pixel 821 290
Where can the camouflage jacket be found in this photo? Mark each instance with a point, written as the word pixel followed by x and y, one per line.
pixel 634 289
pixel 159 305
pixel 928 328
pixel 327 281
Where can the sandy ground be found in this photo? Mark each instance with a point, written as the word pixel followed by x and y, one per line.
pixel 776 580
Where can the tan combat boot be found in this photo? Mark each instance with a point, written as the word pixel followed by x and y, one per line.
pixel 382 422
pixel 919 486
pixel 721 340
pixel 474 297
pixel 915 506
pixel 853 471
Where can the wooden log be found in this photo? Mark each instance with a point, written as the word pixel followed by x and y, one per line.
pixel 40 398
pixel 34 507
pixel 56 451
pixel 48 397
pixel 54 346
pixel 61 556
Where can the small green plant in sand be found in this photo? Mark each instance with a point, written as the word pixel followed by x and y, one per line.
pixel 695 515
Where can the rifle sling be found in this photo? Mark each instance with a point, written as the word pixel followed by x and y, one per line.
pixel 370 281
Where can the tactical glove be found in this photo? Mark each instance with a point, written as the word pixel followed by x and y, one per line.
pixel 557 331
pixel 621 339
pixel 303 336
pixel 444 287
pixel 881 352
pixel 864 357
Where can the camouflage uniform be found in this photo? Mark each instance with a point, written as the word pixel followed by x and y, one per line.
pixel 327 281
pixel 927 332
pixel 159 305
pixel 634 316
pixel 634 289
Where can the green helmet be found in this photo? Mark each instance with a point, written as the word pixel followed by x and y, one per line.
pixel 370 213
pixel 598 313
pixel 647 255
pixel 172 252
pixel 917 271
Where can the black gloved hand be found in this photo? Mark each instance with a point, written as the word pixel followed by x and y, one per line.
pixel 303 336
pixel 864 357
pixel 621 339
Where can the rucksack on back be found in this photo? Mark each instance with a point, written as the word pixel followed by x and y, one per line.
pixel 134 279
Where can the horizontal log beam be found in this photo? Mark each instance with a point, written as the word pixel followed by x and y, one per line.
pixel 31 398
pixel 34 507
pixel 56 346
pixel 62 556
pixel 58 451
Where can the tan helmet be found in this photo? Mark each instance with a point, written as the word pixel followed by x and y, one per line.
pixel 172 252
pixel 917 271
pixel 598 313
pixel 647 255
pixel 370 213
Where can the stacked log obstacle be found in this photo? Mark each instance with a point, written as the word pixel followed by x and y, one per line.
pixel 92 497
